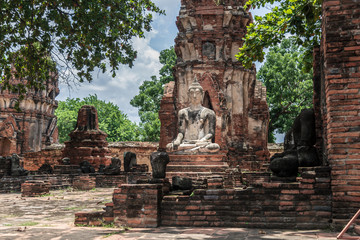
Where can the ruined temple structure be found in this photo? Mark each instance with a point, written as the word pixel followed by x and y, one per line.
pixel 32 128
pixel 337 103
pixel 87 141
pixel 209 37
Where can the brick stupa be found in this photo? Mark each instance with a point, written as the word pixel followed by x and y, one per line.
pixel 209 38
pixel 88 142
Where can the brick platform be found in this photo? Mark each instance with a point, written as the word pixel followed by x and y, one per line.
pixel 35 188
pixel 304 204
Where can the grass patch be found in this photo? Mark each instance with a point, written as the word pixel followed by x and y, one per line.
pixel 7 225
pixel 28 224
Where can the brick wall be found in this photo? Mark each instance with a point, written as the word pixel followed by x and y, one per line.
pixel 305 204
pixel 340 50
pixel 32 161
pixel 52 155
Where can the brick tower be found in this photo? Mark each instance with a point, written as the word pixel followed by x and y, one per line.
pixel 209 37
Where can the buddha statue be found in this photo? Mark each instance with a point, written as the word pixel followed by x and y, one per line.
pixel 196 125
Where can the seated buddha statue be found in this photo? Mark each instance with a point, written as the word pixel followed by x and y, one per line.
pixel 196 125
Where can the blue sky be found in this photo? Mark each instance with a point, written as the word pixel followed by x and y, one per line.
pixel 121 89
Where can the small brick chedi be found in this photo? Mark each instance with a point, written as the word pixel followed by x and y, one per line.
pixel 32 128
pixel 88 142
pixel 208 39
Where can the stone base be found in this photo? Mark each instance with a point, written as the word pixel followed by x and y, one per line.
pixel 195 166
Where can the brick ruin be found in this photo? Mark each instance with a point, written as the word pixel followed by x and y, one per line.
pixel 208 39
pixel 34 127
pixel 87 142
pixel 318 197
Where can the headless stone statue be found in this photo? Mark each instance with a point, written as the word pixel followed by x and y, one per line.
pixel 299 147
pixel 196 125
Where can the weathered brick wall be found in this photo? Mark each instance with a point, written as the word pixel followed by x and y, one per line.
pixel 32 161
pixel 52 155
pixel 340 49
pixel 305 204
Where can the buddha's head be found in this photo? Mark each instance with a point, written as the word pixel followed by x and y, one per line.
pixel 195 93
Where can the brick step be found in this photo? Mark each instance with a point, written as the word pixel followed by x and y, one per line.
pixel 194 175
pixel 197 158
pixel 197 168
pixel 204 163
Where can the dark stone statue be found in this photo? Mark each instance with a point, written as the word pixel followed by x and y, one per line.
pixel 299 150
pixel 16 169
pixel 101 168
pixel 159 160
pixel 181 183
pixel 129 161
pixel 114 167
pixel 5 166
pixel 46 169
pixel 86 167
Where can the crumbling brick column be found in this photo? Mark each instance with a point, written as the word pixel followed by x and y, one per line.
pixel 340 49
pixel 137 205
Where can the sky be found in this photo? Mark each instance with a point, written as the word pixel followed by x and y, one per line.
pixel 121 89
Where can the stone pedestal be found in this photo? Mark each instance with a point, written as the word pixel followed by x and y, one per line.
pixel 196 166
pixel 88 142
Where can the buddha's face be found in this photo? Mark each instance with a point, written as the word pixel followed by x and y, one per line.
pixel 195 96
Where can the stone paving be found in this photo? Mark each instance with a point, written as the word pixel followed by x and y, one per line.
pixel 52 217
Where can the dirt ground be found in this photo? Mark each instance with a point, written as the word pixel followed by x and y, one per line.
pixel 52 217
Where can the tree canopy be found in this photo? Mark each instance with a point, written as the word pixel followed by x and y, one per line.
pixel 150 94
pixel 299 18
pixel 111 120
pixel 71 38
pixel 289 89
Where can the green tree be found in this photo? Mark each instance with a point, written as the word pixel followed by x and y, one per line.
pixel 298 18
pixel 289 89
pixel 150 94
pixel 111 120
pixel 72 38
